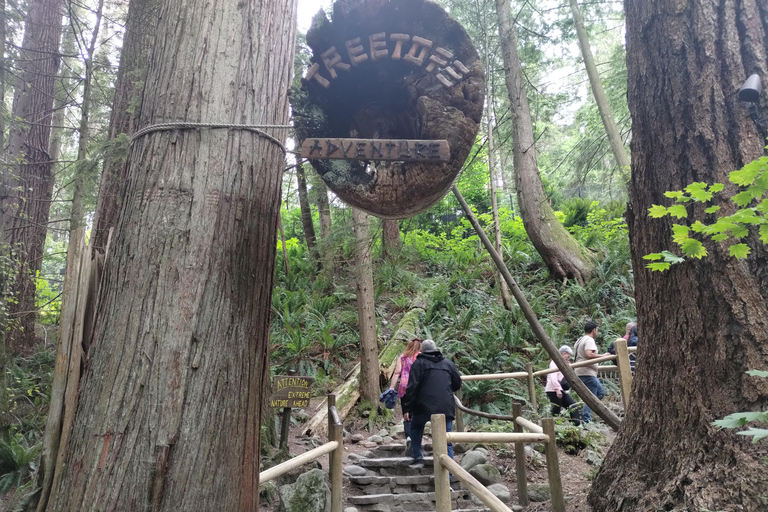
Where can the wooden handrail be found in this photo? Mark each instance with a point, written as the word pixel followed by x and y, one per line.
pixel 486 496
pixel 482 414
pixel 495 376
pixel 295 462
pixel 495 437
pixel 531 426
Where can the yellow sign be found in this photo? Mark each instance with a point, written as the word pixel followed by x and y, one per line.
pixel 291 391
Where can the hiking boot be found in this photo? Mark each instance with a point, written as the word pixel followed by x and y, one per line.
pixel 417 464
pixel 408 447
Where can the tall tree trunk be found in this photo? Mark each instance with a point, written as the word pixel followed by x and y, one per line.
pixel 77 216
pixel 366 313
pixel 323 206
pixel 139 37
pixel 5 416
pixel 29 179
pixel 390 238
pixel 609 122
pixel 170 406
pixel 489 96
pixel 560 251
pixel 705 322
pixel 306 211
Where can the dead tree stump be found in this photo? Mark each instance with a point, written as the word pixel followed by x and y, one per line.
pixel 398 69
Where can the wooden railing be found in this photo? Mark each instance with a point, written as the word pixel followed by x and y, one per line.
pixel 623 367
pixel 443 464
pixel 334 446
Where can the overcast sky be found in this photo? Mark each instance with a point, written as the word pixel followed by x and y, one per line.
pixel 307 9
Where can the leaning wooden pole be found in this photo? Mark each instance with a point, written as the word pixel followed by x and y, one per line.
pixel 596 405
pixel 440 448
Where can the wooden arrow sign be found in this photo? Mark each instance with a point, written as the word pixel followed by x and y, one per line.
pixel 392 150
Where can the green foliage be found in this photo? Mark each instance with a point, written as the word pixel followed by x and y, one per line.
pixel 17 461
pixel 576 211
pixel 573 439
pixel 739 419
pixel 752 205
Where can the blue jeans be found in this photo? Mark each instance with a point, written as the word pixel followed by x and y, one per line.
pixel 596 387
pixel 417 433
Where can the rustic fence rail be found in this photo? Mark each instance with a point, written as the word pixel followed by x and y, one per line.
pixel 334 447
pixel 444 465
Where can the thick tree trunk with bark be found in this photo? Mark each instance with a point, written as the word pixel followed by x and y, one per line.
pixel 390 238
pixel 609 122
pixel 366 313
pixel 560 251
pixel 306 211
pixel 139 37
pixel 29 179
pixel 170 406
pixel 703 323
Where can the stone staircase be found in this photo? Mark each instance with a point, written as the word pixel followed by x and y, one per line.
pixel 383 482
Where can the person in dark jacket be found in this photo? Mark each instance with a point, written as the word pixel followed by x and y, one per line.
pixel 431 384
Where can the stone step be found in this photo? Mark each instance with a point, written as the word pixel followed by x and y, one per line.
pixel 396 450
pixel 395 466
pixel 402 502
pixel 397 484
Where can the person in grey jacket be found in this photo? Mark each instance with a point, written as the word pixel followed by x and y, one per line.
pixel 431 385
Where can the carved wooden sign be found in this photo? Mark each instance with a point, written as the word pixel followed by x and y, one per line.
pixel 390 105
pixel 291 391
pixel 377 149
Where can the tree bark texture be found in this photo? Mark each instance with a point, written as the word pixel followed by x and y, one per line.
pixel 390 97
pixel 609 122
pixel 390 238
pixel 703 323
pixel 306 211
pixel 28 178
pixel 563 255
pixel 323 205
pixel 366 312
pixel 140 28
pixel 169 411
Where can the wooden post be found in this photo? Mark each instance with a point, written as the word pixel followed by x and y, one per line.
pixel 531 387
pixel 442 481
pixel 285 422
pixel 459 415
pixel 335 433
pixel 553 466
pixel 522 478
pixel 625 370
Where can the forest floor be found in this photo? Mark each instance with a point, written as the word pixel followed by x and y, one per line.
pixel 575 472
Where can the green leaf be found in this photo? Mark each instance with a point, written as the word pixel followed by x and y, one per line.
pixel 674 194
pixel 716 187
pixel 739 251
pixel 671 258
pixel 720 237
pixel 758 373
pixel 712 209
pixel 698 227
pixel 739 419
pixel 747 174
pixel 678 211
pixel 693 248
pixel 699 192
pixel 653 256
pixel 762 206
pixel 743 198
pixel 680 233
pixel 739 232
pixel 656 211
pixel 764 233
pixel 658 267
pixel 756 433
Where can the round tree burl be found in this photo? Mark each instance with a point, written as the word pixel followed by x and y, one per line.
pixel 400 69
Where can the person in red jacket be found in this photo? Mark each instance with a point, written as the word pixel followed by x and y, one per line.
pixel 431 385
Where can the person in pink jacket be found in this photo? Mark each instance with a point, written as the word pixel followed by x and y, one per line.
pixel 560 397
